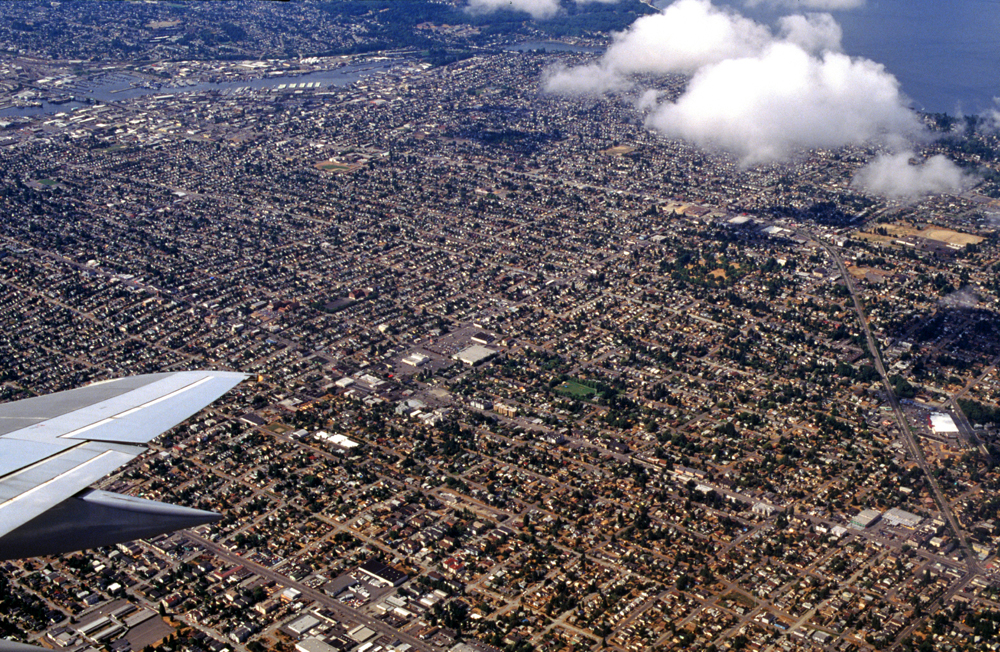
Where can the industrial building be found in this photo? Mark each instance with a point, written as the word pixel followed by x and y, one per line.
pixel 415 359
pixel 314 645
pixel 474 355
pixel 943 424
pixel 482 338
pixel 866 519
pixel 379 571
pixel 902 518
pixel 303 624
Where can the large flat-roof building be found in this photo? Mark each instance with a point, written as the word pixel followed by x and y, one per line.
pixel 474 355
pixel 379 571
pixel 415 359
pixel 865 519
pixel 902 518
pixel 314 645
pixel 361 633
pixel 942 424
pixel 302 624
pixel 482 338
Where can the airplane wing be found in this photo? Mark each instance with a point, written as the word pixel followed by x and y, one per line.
pixel 52 447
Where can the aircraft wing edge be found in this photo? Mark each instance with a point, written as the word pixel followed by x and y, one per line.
pixel 34 490
pixel 50 462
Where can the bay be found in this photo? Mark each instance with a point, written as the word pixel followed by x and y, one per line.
pixel 945 55
pixel 119 87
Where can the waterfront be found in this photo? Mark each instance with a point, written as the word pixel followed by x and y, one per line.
pixel 120 87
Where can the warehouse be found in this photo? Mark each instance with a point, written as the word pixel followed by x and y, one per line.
pixel 379 571
pixel 902 518
pixel 474 355
pixel 866 519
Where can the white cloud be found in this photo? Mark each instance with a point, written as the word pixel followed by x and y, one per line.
pixel 766 108
pixel 759 95
pixel 964 298
pixel 591 79
pixel 812 32
pixel 683 37
pixel 807 5
pixel 899 176
pixel 538 9
pixel 991 118
pixel 648 101
pixel 680 39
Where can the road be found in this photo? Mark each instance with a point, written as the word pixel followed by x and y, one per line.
pixel 345 613
pixel 904 425
pixel 966 428
pixel 906 434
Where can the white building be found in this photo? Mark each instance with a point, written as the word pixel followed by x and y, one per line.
pixel 314 645
pixel 902 518
pixel 474 355
pixel 415 359
pixel 943 424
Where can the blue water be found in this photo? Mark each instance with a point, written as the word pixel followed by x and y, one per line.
pixel 118 88
pixel 946 55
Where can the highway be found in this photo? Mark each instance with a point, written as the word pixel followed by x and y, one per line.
pixel 906 434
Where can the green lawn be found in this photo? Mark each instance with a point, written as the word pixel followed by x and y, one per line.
pixel 335 167
pixel 576 390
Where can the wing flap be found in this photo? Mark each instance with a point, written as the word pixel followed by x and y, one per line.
pixel 17 454
pixel 134 417
pixel 33 491
pixel 21 414
pixel 56 466
pixel 161 411
pixel 97 518
pixel 77 437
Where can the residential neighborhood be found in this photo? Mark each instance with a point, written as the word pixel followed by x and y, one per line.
pixel 523 373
